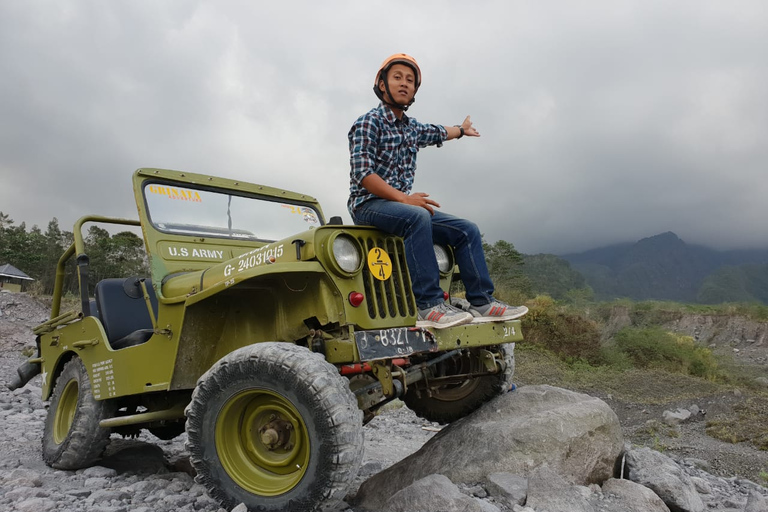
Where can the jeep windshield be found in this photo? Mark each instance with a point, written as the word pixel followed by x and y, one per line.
pixel 221 214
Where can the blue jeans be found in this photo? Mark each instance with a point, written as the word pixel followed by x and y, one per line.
pixel 419 231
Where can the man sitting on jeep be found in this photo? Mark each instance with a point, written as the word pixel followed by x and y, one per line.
pixel 383 144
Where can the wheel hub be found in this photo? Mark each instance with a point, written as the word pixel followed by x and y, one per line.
pixel 276 434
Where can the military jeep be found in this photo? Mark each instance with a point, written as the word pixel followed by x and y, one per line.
pixel 266 333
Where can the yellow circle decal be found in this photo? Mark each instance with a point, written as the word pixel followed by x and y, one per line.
pixel 379 264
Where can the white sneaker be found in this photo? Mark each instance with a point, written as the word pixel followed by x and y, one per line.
pixel 441 316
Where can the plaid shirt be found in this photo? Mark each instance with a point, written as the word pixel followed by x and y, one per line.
pixel 381 143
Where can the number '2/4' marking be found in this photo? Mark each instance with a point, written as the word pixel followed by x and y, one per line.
pixel 379 264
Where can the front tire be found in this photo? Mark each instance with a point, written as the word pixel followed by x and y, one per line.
pixel 274 426
pixel 452 402
pixel 72 438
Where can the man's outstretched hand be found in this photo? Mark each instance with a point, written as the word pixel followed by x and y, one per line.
pixel 469 130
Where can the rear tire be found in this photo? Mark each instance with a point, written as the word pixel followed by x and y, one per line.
pixel 274 426
pixel 452 402
pixel 72 438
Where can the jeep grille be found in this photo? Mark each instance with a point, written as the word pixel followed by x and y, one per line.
pixel 393 297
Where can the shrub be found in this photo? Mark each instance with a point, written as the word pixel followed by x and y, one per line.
pixel 652 347
pixel 569 335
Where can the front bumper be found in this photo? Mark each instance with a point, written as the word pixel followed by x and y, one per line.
pixel 405 341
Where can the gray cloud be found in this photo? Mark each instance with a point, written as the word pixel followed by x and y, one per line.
pixel 600 123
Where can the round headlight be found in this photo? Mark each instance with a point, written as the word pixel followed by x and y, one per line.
pixel 347 253
pixel 443 258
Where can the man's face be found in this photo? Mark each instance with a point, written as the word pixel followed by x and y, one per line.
pixel 402 84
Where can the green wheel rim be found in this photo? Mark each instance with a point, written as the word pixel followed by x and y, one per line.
pixel 65 411
pixel 262 442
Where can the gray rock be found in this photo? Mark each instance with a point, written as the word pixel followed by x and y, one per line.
pixel 698 463
pixel 763 381
pixel 549 491
pixel 206 502
pixel 107 495
pixel 475 490
pixel 177 501
pixel 20 493
pixel 26 474
pixel 196 490
pixel 749 485
pixel 633 497
pixel 149 485
pixel 371 468
pixel 35 505
pixel 734 503
pixel 177 486
pixel 78 493
pixel 25 482
pixel 434 492
pixel 96 483
pixel 510 488
pixel 98 472
pixel 702 486
pixel 576 435
pixel 677 417
pixel 664 477
pixel 756 502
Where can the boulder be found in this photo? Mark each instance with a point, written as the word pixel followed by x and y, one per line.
pixel 549 491
pixel 509 488
pixel 633 497
pixel 434 492
pixel 576 435
pixel 756 503
pixel 664 477
pixel 677 417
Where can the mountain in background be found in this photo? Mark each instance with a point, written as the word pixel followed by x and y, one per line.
pixel 664 267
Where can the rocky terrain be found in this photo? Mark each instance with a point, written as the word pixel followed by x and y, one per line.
pixel 147 474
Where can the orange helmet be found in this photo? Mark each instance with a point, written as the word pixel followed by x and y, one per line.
pixel 381 74
pixel 398 58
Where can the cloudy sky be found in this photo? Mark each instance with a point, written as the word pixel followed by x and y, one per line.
pixel 602 121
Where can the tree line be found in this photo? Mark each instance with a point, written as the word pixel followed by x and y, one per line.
pixel 520 277
pixel 36 253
